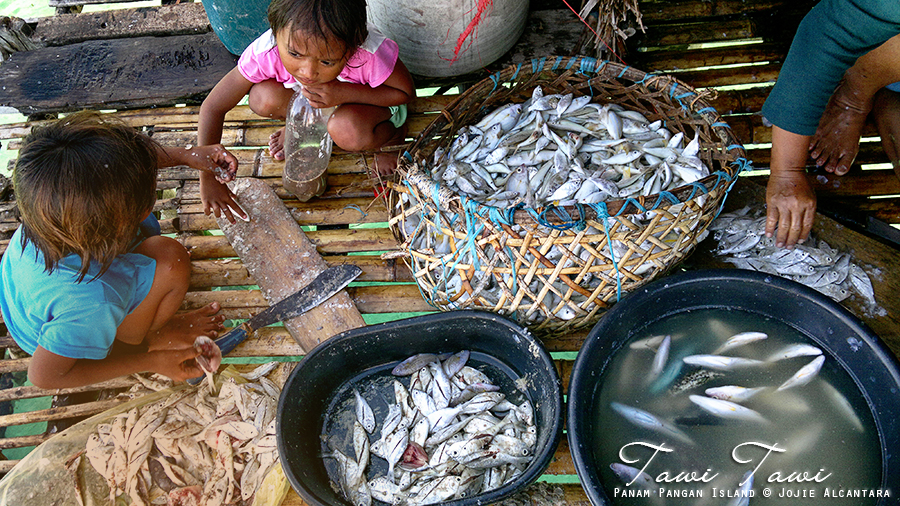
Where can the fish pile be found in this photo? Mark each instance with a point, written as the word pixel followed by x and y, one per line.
pixel 448 434
pixel 725 402
pixel 196 446
pixel 560 149
pixel 742 241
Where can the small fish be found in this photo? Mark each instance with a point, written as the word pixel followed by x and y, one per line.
pixel 795 350
pixel 652 342
pixel 740 340
pixel 727 409
pixel 694 380
pixel 413 364
pixel 805 374
pixel 721 362
pixel 733 393
pixel 632 475
pixel 745 490
pixel 649 421
pixel 364 412
pixel 659 360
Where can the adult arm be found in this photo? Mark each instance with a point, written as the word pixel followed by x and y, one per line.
pixel 790 201
pixel 828 42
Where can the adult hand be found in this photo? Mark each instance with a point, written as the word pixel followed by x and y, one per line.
pixel 836 143
pixel 790 208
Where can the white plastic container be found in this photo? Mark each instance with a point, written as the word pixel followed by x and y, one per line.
pixel 428 32
pixel 307 148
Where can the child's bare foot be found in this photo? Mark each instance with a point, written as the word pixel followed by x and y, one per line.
pixel 836 143
pixel 886 114
pixel 386 160
pixel 276 144
pixel 183 328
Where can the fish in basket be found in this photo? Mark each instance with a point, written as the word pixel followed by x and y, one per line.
pixel 549 190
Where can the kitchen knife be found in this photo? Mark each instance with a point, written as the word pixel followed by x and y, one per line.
pixel 326 284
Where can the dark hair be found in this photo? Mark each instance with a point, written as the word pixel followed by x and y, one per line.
pixel 82 185
pixel 344 20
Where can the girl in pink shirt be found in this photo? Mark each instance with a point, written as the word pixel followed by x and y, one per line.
pixel 327 48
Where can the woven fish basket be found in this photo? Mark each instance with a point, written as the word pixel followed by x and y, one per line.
pixel 557 269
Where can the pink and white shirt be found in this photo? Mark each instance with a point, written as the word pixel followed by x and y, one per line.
pixel 372 63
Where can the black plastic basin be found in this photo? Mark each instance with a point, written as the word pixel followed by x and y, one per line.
pixel 870 364
pixel 352 355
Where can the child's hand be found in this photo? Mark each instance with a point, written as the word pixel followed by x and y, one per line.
pixel 215 159
pixel 179 365
pixel 324 94
pixel 219 199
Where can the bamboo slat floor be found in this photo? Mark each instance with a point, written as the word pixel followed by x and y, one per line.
pixel 348 222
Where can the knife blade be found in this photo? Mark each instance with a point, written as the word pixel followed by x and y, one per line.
pixel 329 282
pixel 323 287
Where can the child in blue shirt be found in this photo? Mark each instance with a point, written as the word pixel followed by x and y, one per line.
pixel 79 277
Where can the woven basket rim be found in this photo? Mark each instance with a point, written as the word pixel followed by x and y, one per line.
pixel 564 67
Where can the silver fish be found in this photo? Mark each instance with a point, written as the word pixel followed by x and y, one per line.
pixel 721 362
pixel 805 374
pixel 727 409
pixel 740 340
pixel 364 412
pixel 647 420
pixel 795 350
pixel 733 393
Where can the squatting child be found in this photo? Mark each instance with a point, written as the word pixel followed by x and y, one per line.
pixel 87 286
pixel 327 48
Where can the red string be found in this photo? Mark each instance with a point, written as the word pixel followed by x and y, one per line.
pixel 595 32
pixel 482 6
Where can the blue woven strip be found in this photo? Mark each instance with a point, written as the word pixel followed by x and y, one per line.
pixel 719 124
pixel 603 212
pixel 588 65
pixel 537 64
pixel 557 62
pixel 707 109
pixel 516 73
pixel 622 74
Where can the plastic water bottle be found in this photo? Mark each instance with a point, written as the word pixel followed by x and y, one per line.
pixel 307 148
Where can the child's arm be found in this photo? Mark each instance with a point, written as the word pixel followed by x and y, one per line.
pixel 51 371
pixel 213 158
pixel 397 89
pixel 216 197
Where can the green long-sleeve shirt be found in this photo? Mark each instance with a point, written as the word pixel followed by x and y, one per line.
pixel 828 41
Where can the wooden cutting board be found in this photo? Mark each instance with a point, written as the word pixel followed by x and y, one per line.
pixel 281 260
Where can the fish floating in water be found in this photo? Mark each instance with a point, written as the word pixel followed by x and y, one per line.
pixel 449 434
pixel 560 149
pixel 742 241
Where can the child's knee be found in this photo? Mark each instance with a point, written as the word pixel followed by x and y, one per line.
pixel 172 259
pixel 348 135
pixel 269 101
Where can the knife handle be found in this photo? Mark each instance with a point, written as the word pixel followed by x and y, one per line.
pixel 231 339
pixel 226 343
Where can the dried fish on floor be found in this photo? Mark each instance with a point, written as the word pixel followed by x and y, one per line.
pixel 193 447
